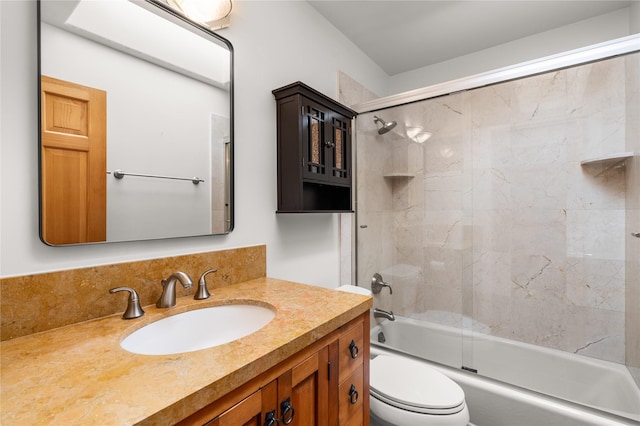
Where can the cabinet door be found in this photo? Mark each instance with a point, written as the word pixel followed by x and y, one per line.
pixel 338 149
pixel 303 392
pixel 314 159
pixel 247 412
pixel 326 144
pixel 352 350
pixel 255 410
pixel 351 394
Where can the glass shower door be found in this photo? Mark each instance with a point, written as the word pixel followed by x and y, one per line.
pixel 551 189
pixel 413 224
pixel 504 217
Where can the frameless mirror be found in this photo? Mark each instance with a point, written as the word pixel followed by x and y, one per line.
pixel 136 123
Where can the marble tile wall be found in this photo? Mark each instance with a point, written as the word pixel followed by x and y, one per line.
pixel 41 302
pixel 350 92
pixel 498 220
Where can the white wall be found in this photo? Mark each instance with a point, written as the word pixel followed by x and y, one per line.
pixel 275 43
pixel 620 23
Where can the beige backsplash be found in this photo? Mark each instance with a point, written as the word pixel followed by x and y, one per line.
pixel 35 303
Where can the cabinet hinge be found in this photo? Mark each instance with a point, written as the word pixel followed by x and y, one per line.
pixel 329 370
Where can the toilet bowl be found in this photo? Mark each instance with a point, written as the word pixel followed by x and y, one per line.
pixel 405 392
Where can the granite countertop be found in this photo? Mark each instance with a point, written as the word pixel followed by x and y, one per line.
pixel 79 374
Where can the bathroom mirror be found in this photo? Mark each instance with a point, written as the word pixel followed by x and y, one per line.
pixel 136 123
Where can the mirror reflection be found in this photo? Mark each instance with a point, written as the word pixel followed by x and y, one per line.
pixel 136 124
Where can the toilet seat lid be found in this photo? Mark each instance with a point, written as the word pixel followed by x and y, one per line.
pixel 412 385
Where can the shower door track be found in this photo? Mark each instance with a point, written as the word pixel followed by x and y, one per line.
pixel 596 52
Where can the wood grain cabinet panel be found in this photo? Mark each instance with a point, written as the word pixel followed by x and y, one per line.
pixel 351 397
pixel 352 350
pixel 303 390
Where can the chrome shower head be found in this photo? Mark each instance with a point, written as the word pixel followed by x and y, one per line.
pixel 386 125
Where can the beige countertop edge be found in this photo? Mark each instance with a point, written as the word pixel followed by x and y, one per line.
pixel 79 374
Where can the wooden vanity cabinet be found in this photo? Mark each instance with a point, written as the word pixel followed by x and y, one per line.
pixel 314 151
pixel 314 387
pixel 351 383
pixel 249 411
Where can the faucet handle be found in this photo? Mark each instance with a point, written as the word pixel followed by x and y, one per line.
pixel 377 283
pixel 134 310
pixel 202 292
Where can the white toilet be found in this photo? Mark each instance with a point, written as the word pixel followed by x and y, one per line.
pixel 405 392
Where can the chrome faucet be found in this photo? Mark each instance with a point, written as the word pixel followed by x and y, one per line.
pixel 379 313
pixel 377 283
pixel 168 297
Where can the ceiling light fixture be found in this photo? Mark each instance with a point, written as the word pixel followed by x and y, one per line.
pixel 213 13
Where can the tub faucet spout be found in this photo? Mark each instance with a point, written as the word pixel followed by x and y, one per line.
pixel 168 297
pixel 379 313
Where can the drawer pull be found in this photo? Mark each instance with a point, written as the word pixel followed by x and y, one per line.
pixel 270 419
pixel 353 395
pixel 353 349
pixel 287 411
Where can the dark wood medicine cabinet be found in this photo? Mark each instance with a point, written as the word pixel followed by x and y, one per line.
pixel 314 151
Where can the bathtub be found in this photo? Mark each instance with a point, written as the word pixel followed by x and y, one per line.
pixel 529 385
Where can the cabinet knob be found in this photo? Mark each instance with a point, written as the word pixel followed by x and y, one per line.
pixel 353 395
pixel 353 349
pixel 287 411
pixel 330 144
pixel 270 419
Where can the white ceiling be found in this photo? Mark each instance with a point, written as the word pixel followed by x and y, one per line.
pixel 405 35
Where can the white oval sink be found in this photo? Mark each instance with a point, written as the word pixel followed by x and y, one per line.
pixel 198 329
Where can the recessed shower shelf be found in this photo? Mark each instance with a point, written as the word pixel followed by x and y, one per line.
pixel 608 162
pixel 399 175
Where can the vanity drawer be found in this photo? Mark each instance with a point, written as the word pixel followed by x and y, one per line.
pixel 351 350
pixel 351 394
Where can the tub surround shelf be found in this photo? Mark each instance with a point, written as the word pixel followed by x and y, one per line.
pixel 608 162
pixel 84 376
pixel 399 175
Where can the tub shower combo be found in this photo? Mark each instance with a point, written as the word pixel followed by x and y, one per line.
pixel 503 211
